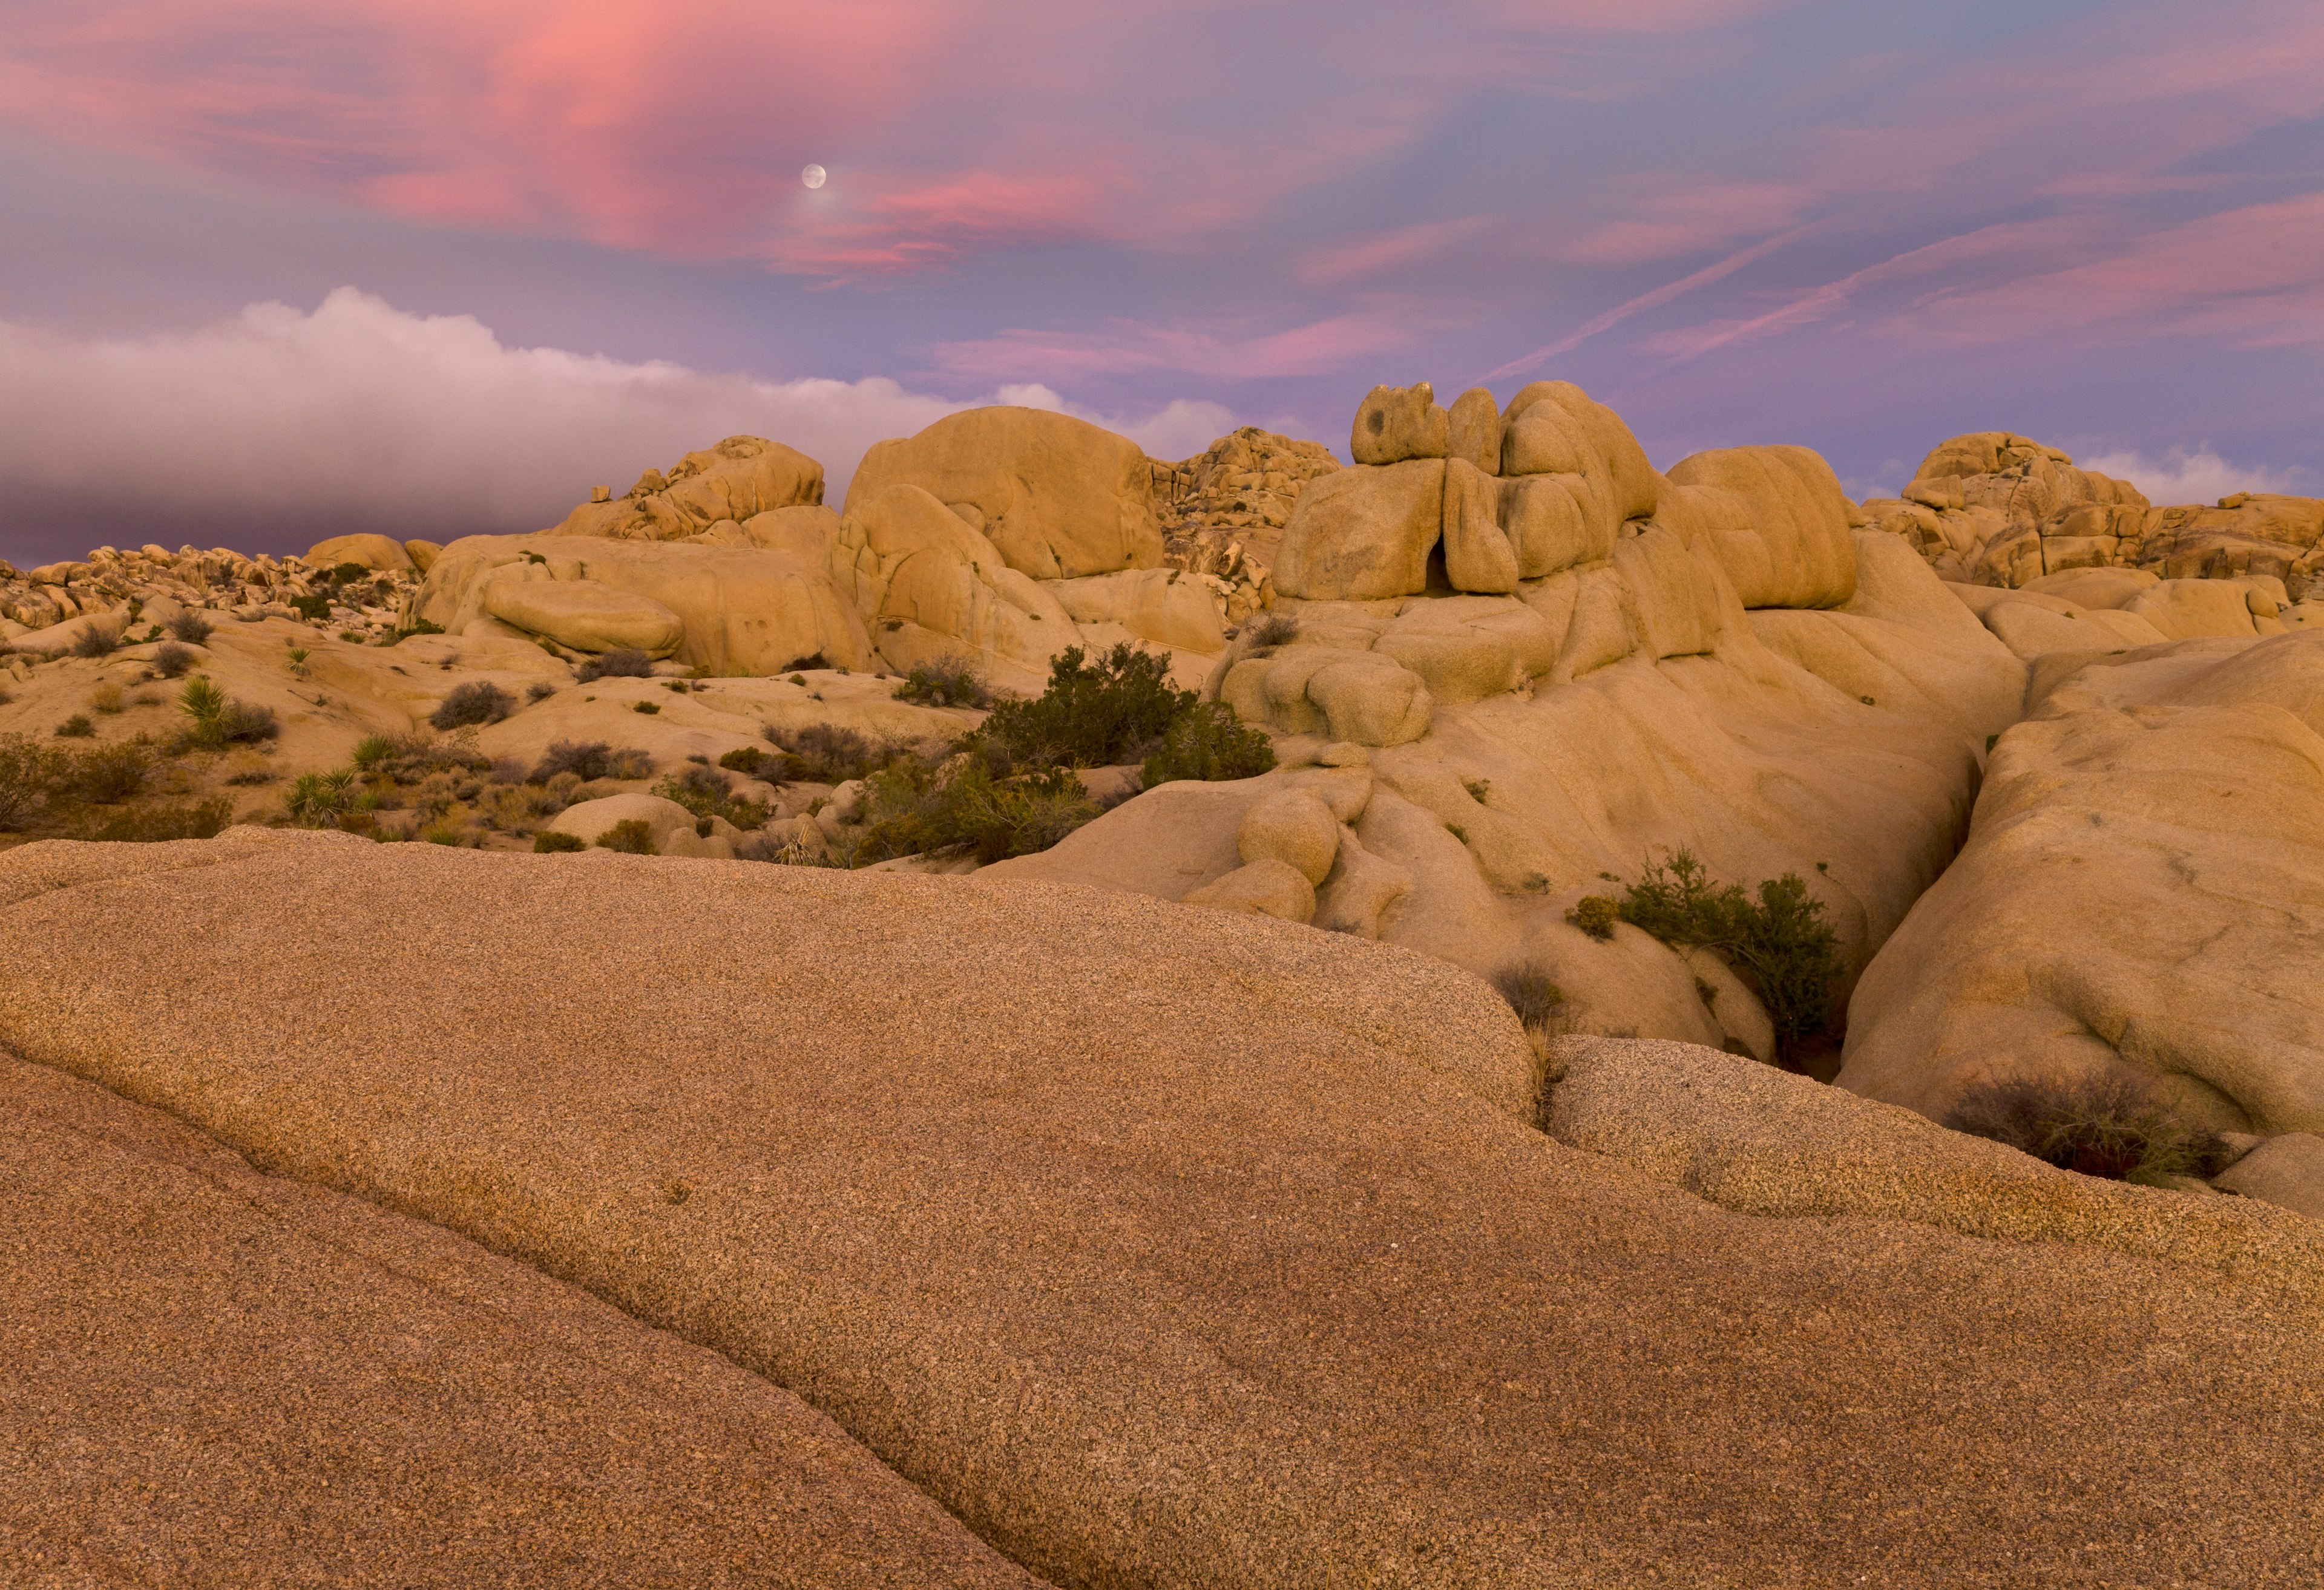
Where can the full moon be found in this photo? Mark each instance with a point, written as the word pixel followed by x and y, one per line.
pixel 813 176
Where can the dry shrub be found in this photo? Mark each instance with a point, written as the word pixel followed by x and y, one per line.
pixel 621 663
pixel 1531 992
pixel 590 760
pixel 2109 1124
pixel 476 702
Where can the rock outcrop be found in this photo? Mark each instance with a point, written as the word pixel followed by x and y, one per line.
pixel 1997 509
pixel 1059 498
pixel 2142 886
pixel 1149 1274
pixel 262 1382
pixel 731 483
pixel 1600 696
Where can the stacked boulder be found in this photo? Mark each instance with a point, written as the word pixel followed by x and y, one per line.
pixel 1511 660
pixel 1997 509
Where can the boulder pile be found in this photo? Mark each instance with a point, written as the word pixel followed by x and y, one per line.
pixel 1997 509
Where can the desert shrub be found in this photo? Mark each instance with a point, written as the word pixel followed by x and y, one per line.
pixel 105 698
pixel 648 708
pixel 242 723
pixel 1531 993
pixel 157 824
pixel 317 800
pixel 420 757
pixel 1596 915
pixel 417 626
pixel 1778 944
pixel 753 763
pixel 621 663
pixel 478 701
pixel 99 638
pixel 633 837
pixel 541 690
pixel 107 774
pixel 190 627
pixel 29 772
pixel 2112 1124
pixel 1115 708
pixel 219 721
pixel 813 659
pixel 590 760
pixel 1208 741
pixel 912 808
pixel 708 793
pixel 347 574
pixel 549 843
pixel 76 727
pixel 171 660
pixel 826 753
pixel 313 609
pixel 372 750
pixel 1273 629
pixel 507 770
pixel 948 683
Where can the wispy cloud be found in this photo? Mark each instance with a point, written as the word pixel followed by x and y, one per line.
pixel 2254 275
pixel 1125 346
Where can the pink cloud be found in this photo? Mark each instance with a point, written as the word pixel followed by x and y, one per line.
pixel 2254 275
pixel 1388 252
pixel 1125 346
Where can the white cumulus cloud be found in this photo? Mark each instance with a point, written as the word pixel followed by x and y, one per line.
pixel 274 427
pixel 2195 475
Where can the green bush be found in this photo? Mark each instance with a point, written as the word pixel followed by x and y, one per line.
pixel 315 608
pixel 317 800
pixel 76 727
pixel 948 683
pixel 1094 714
pixel 1596 915
pixel 753 763
pixel 648 708
pixel 478 701
pixel 2112 1124
pixel 157 824
pixel 631 837
pixel 1208 741
pixel 913 808
pixel 372 750
pixel 219 721
pixel 550 842
pixel 347 574
pixel 1779 943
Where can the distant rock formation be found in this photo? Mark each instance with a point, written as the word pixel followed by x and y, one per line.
pixel 1997 509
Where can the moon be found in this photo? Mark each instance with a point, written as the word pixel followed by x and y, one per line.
pixel 814 176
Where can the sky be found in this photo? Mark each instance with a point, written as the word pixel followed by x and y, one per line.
pixel 272 270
